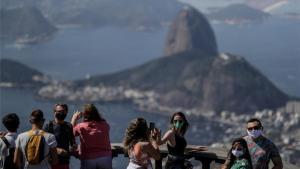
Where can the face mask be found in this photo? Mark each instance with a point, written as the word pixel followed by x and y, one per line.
pixel 254 133
pixel 178 125
pixel 237 153
pixel 60 115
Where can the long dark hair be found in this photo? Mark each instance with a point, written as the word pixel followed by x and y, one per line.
pixel 246 154
pixel 185 125
pixel 136 131
pixel 90 113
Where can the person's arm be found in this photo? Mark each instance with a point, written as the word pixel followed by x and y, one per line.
pixel 225 165
pixel 275 157
pixel 169 136
pixel 277 162
pixel 151 148
pixel 18 153
pixel 17 157
pixel 72 137
pixel 76 116
pixel 52 149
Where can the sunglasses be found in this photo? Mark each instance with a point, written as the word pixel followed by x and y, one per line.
pixel 179 121
pixel 253 128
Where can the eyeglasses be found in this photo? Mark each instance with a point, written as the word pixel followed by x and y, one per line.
pixel 254 128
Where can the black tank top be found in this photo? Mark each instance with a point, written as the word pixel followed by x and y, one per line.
pixel 179 148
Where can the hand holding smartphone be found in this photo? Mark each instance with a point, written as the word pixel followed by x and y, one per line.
pixel 151 125
pixel 77 115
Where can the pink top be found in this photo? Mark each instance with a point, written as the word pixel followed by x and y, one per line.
pixel 94 139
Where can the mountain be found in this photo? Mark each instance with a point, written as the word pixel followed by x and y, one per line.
pixel 193 79
pixel 189 31
pixel 198 77
pixel 288 8
pixel 15 74
pixel 90 13
pixel 207 6
pixel 24 25
pixel 238 13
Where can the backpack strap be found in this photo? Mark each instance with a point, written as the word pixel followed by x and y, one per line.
pixel 51 127
pixel 5 141
pixel 8 161
pixel 31 132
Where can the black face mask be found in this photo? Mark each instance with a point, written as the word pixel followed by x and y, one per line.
pixel 60 115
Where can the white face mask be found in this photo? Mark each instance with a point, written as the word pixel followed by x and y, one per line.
pixel 237 153
pixel 254 133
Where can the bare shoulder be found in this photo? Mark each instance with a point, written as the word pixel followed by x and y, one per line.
pixel 144 144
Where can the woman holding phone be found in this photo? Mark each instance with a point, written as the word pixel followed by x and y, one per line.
pixel 95 149
pixel 139 146
pixel 176 141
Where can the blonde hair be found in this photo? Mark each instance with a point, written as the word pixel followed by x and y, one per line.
pixel 136 131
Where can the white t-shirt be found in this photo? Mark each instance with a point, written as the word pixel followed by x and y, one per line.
pixel 50 143
pixel 4 150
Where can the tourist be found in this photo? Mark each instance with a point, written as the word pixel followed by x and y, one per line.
pixel 93 131
pixel 36 146
pixel 63 132
pixel 261 149
pixel 238 156
pixel 7 143
pixel 139 146
pixel 176 142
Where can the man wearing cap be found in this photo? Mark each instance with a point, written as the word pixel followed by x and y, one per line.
pixel 37 121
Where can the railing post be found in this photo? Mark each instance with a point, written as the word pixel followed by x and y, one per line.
pixel 158 164
pixel 205 163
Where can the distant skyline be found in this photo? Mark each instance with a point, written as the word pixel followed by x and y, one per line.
pixel 271 6
pixel 205 5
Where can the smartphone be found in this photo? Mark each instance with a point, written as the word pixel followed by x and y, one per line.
pixel 151 125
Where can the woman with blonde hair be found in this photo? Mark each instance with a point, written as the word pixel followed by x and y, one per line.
pixel 95 148
pixel 139 146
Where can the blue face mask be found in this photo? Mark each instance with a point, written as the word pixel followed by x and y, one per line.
pixel 237 153
pixel 254 133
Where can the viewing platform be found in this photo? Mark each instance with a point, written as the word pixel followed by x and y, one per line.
pixel 206 157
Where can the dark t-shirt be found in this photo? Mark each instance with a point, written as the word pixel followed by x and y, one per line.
pixel 64 136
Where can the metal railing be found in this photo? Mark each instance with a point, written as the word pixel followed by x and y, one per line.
pixel 205 157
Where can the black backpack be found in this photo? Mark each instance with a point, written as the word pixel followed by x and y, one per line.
pixel 9 160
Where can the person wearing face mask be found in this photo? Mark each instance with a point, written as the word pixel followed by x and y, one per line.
pixel 238 156
pixel 176 142
pixel 261 149
pixel 63 132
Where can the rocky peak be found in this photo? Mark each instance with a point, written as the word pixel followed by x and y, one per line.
pixel 189 31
